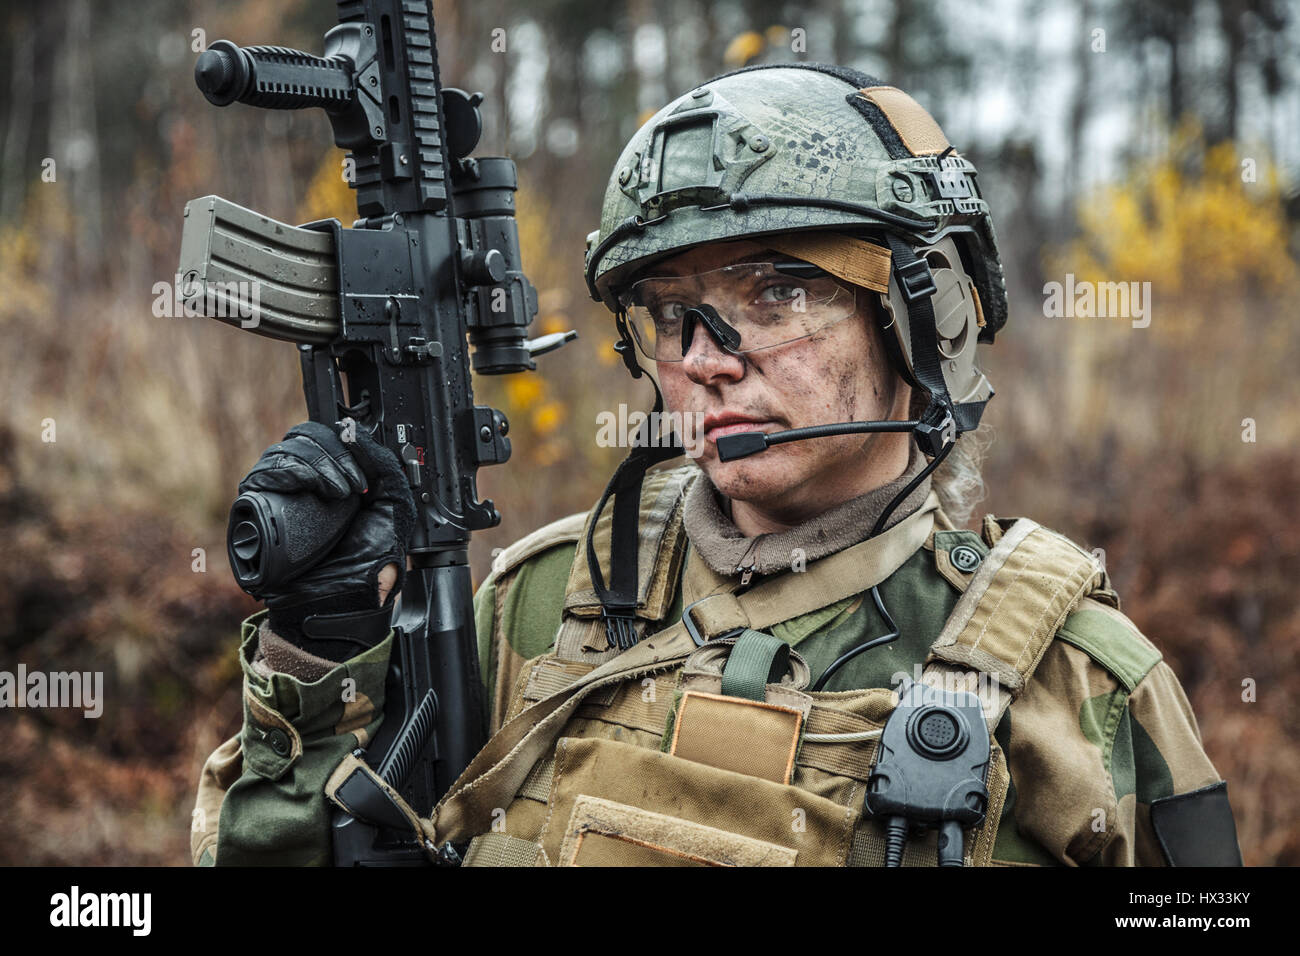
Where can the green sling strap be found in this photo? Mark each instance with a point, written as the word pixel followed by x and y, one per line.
pixel 756 660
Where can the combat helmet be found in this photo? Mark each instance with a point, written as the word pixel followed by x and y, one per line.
pixel 855 175
pixel 834 169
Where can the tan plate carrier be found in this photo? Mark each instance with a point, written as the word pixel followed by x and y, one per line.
pixel 637 757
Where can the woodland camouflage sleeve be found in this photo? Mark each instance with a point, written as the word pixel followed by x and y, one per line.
pixel 1157 759
pixel 1102 733
pixel 261 794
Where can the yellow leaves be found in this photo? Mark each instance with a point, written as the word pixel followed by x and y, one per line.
pixel 1221 161
pixel 328 195
pixel 1206 228
pixel 605 350
pixel 746 47
pixel 524 390
pixel 1187 223
pixel 553 323
pixel 29 254
pixel 548 453
pixel 777 36
pixel 18 258
pixel 548 417
pixel 743 48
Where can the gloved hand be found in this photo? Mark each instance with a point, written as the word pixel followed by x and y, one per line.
pixel 314 460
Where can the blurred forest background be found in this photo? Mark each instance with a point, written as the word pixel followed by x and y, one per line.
pixel 1119 142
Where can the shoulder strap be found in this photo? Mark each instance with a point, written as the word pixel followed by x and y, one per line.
pixel 620 601
pixel 824 582
pixel 658 549
pixel 1021 595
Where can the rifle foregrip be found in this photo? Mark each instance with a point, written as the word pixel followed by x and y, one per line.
pixel 275 77
pixel 273 538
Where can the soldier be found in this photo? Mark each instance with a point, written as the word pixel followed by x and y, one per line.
pixel 785 651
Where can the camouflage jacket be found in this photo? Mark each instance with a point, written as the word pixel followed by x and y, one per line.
pixel 1102 730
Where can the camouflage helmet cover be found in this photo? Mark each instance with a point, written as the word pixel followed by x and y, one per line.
pixel 789 148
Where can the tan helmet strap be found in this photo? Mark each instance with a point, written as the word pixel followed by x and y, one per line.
pixel 853 260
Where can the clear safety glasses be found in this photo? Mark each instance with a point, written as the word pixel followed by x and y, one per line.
pixel 767 303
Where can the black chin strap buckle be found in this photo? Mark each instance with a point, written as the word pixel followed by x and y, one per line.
pixel 915 279
pixel 931 436
pixel 620 628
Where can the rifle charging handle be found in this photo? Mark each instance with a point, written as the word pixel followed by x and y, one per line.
pixel 272 538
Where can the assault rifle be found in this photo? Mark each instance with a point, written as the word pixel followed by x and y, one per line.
pixel 381 313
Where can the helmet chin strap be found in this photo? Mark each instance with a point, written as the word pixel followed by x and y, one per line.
pixel 935 431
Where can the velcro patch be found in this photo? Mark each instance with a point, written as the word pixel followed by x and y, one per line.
pixel 744 736
pixel 915 127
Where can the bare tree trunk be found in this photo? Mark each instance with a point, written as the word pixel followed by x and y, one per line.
pixel 841 33
pixel 17 134
pixel 448 22
pixel 665 13
pixel 649 85
pixel 895 56
pixel 1079 109
pixel 1175 77
pixel 706 64
pixel 75 139
pixel 501 74
pixel 1230 18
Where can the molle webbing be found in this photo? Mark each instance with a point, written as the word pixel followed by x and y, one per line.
pixel 495 775
pixel 1021 595
pixel 1002 625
